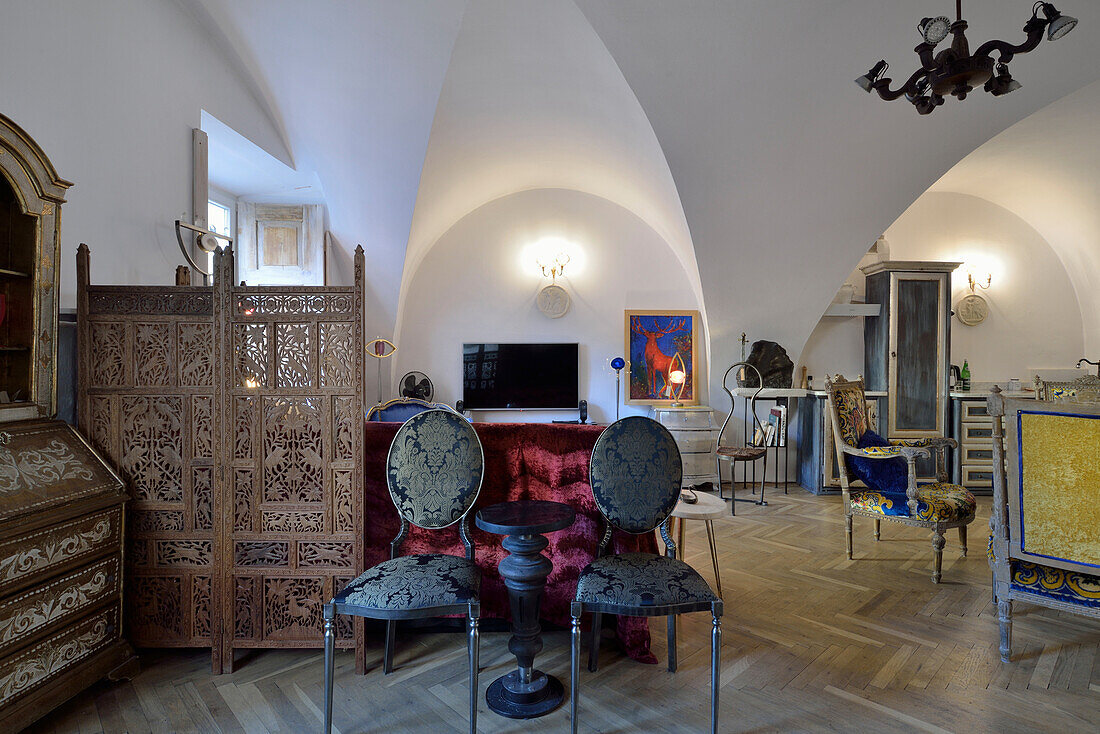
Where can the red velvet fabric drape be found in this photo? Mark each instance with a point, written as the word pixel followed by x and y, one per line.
pixel 538 461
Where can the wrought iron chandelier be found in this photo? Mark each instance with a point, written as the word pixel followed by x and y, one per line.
pixel 955 70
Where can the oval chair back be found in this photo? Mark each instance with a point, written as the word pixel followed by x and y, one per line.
pixel 636 472
pixel 434 468
pixel 733 400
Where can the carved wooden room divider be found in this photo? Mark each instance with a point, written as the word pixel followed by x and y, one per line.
pixel 234 413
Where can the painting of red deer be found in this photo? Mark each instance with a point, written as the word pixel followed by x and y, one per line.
pixel 657 342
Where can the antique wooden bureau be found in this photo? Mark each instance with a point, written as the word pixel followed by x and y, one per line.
pixel 61 524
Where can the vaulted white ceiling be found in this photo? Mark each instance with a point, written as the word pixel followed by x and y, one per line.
pixel 785 172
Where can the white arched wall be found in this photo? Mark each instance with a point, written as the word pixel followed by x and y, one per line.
pixel 111 90
pixel 1034 322
pixel 473 286
pixel 533 100
pixel 1046 170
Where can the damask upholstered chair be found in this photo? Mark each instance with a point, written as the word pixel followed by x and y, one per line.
pixel 746 453
pixel 434 471
pixel 1043 545
pixel 635 473
pixel 889 471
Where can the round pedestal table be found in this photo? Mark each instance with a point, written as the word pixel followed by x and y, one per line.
pixel 525 693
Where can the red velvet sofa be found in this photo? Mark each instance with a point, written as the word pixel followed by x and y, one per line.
pixel 522 461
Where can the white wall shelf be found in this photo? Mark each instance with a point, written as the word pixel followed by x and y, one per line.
pixel 854 309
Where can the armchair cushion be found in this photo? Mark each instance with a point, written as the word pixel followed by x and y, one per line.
pixel 1056 583
pixel 641 580
pixel 937 502
pixel 883 475
pixel 415 582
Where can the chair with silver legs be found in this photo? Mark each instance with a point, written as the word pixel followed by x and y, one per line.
pixel 635 472
pixel 434 471
pixel 742 454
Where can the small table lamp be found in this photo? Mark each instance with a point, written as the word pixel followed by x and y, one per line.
pixel 678 378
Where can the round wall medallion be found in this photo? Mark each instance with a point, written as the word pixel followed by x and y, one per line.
pixel 553 301
pixel 972 310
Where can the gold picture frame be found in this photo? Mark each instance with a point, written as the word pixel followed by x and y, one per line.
pixel 654 340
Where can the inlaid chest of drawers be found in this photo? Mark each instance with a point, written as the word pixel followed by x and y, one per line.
pixel 695 433
pixel 61 570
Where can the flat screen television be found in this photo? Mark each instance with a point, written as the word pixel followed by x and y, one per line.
pixel 520 376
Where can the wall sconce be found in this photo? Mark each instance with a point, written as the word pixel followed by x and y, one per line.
pixel 553 300
pixel 978 282
pixel 972 308
pixel 555 267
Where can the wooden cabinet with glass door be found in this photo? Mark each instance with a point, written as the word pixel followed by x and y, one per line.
pixel 31 194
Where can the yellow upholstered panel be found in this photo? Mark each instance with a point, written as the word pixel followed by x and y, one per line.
pixel 1061 486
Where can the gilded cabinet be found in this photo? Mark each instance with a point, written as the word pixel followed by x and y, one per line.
pixel 907 348
pixel 31 194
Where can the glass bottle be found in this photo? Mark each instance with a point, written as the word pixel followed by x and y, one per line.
pixel 964 377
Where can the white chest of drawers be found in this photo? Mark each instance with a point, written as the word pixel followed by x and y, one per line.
pixel 695 432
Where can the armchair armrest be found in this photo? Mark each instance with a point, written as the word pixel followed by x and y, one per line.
pixel 932 443
pixel 887 452
pixel 909 453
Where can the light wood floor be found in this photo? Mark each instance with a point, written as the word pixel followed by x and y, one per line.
pixel 811 642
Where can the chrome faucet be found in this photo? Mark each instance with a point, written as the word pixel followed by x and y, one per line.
pixel 1089 361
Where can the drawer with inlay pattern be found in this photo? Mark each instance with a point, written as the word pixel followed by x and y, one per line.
pixel 52 656
pixel 26 558
pixel 56 603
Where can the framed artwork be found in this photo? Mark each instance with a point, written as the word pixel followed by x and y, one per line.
pixel 659 346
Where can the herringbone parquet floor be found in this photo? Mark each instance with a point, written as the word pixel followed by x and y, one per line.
pixel 812 642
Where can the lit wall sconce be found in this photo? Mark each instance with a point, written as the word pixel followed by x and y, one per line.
pixel 554 267
pixel 972 309
pixel 553 300
pixel 251 383
pixel 978 281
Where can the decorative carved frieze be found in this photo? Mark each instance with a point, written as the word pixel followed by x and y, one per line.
pixel 152 302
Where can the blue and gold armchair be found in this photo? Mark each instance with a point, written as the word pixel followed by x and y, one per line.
pixel 1044 544
pixel 889 469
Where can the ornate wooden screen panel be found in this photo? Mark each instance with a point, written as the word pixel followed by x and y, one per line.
pixel 147 393
pixel 290 417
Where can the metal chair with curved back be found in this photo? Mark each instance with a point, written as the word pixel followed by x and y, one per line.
pixel 434 471
pixel 635 472
pixel 747 453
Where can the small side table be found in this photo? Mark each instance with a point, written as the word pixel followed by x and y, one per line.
pixel 525 693
pixel 708 508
